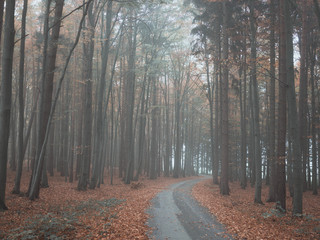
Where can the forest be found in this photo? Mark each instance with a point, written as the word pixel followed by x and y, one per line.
pixel 106 103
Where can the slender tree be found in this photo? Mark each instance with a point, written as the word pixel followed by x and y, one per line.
pixel 154 132
pixel 294 130
pixel 5 96
pixel 224 182
pixel 255 99
pixel 130 99
pixel 16 189
pixel 271 197
pixel 282 109
pixel 303 94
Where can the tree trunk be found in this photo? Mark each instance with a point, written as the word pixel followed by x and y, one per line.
pixel 13 135
pixel 255 99
pixel 131 79
pixel 243 123
pixel 1 21
pixel 272 159
pixel 5 97
pixel 303 95
pixel 210 97
pixel 16 188
pixel 282 109
pixel 293 120
pixel 217 69
pixel 177 152
pixel 88 50
pixel 224 183
pixel 314 122
pixel 154 132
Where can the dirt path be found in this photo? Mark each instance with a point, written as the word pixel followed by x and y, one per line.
pixel 175 214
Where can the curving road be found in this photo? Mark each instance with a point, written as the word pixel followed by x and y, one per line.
pixel 175 214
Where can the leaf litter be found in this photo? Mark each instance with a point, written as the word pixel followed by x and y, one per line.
pixel 110 212
pixel 245 219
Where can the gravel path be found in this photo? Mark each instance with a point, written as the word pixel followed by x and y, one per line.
pixel 175 214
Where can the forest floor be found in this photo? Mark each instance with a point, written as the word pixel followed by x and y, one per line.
pixel 246 220
pixel 111 212
pixel 118 211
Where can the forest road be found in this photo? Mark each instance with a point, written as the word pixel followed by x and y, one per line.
pixel 175 214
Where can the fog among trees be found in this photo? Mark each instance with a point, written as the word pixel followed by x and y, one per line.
pixel 102 89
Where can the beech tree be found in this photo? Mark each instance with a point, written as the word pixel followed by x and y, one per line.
pixel 88 51
pixel 21 151
pixel 5 96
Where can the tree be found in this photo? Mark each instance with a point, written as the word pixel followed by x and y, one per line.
pixel 88 50
pixel 217 69
pixel 154 131
pixel 243 113
pixel 130 92
pixel 294 130
pixel 224 182
pixel 282 109
pixel 5 96
pixel 255 104
pixel 271 197
pixel 21 151
pixel 303 95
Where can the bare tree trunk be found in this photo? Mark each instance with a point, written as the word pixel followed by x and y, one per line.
pixel 177 152
pixel 1 21
pixel 303 95
pixel 217 69
pixel 210 97
pixel 255 99
pixel 88 50
pixel 314 120
pixel 271 197
pixel 282 109
pixel 154 132
pixel 71 147
pixel 5 97
pixel 224 182
pixel 252 162
pixel 16 188
pixel 293 121
pixel 131 79
pixel 243 112
pixel 123 111
pixel 13 135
